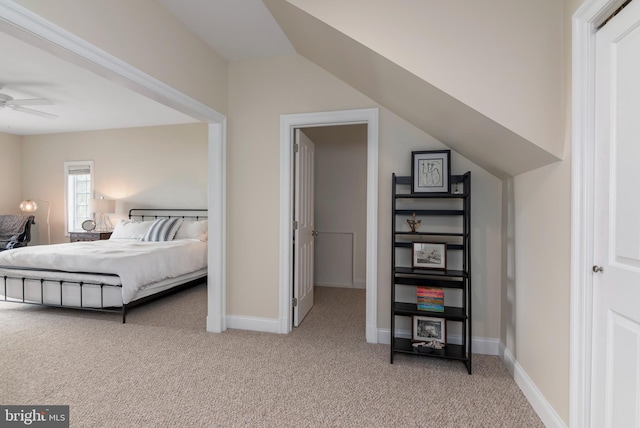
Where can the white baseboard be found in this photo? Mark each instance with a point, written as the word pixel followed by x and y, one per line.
pixel 265 325
pixel 359 285
pixel 539 403
pixel 332 284
pixel 485 345
pixel 479 345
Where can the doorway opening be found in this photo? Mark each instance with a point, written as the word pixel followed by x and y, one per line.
pixel 329 211
pixel 288 125
pixel 28 27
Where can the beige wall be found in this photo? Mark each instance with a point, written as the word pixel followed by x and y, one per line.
pixel 259 92
pixel 144 34
pixel 542 208
pixel 541 292
pixel 262 90
pixel 10 173
pixel 163 166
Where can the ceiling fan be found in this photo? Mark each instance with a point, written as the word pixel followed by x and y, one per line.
pixel 18 105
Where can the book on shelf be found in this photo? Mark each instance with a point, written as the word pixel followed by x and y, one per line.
pixel 430 299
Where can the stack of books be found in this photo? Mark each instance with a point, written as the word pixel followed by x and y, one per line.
pixel 430 299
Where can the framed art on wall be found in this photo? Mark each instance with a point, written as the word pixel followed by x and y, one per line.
pixel 431 171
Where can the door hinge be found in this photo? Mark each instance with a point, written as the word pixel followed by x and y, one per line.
pixel 295 224
pixel 294 302
pixel 296 147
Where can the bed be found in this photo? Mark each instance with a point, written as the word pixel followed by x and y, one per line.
pixel 154 253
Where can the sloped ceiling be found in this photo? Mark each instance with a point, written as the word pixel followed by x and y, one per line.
pixel 486 142
pixel 499 146
pixel 237 30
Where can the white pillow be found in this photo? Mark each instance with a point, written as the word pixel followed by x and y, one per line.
pixel 163 229
pixel 127 229
pixel 193 230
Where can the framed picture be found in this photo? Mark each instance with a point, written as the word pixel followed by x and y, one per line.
pixel 428 329
pixel 431 171
pixel 429 255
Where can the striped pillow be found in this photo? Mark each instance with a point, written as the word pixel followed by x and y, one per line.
pixel 163 229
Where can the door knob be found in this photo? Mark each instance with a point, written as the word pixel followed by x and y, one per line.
pixel 597 269
pixel 314 233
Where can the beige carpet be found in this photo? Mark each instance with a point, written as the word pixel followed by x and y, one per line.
pixel 162 369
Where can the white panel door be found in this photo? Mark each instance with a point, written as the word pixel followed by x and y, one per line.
pixel 615 389
pixel 304 233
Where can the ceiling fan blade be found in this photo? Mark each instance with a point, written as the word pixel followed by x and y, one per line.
pixel 30 102
pixel 34 112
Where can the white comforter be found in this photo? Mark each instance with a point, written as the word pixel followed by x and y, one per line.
pixel 137 263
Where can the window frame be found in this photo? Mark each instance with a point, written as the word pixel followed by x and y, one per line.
pixel 68 166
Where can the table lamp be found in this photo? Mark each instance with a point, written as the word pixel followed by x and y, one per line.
pixel 101 207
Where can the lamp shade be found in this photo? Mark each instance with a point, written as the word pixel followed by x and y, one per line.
pixel 28 206
pixel 102 206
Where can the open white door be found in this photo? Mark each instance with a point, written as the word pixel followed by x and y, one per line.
pixel 304 227
pixel 615 389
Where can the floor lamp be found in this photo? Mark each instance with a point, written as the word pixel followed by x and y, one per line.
pixel 29 206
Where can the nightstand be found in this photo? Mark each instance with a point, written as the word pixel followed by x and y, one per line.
pixel 88 236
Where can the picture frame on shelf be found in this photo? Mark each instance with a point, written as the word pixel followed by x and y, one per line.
pixel 429 329
pixel 88 225
pixel 431 171
pixel 429 255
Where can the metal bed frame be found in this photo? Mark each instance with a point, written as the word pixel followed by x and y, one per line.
pixel 134 213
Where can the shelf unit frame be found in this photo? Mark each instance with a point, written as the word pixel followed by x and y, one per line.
pixel 451 279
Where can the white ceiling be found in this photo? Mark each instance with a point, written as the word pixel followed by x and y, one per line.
pixel 83 100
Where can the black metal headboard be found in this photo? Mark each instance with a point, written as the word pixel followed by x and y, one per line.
pixel 143 214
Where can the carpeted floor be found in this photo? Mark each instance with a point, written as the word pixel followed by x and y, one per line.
pixel 162 369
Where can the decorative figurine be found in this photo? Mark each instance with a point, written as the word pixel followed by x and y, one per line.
pixel 413 223
pixel 429 344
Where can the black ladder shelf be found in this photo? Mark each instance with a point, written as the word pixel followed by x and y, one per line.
pixel 445 218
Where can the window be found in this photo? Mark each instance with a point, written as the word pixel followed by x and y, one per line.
pixel 78 191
